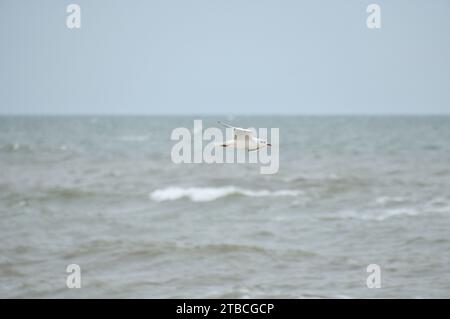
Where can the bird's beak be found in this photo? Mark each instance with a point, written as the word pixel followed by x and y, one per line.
pixel 269 144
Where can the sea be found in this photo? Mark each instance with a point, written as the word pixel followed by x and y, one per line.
pixel 352 194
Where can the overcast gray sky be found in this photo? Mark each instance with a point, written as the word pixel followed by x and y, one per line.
pixel 224 56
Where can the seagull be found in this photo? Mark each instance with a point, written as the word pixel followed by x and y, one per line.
pixel 240 140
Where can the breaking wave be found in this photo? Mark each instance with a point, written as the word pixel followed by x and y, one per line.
pixel 207 194
pixel 383 214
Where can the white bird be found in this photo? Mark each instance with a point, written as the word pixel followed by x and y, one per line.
pixel 240 141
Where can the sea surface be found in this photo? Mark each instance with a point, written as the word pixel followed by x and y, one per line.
pixel 102 192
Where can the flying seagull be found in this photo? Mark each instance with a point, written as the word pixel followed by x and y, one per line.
pixel 244 139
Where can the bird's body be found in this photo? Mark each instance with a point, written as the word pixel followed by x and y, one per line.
pixel 244 139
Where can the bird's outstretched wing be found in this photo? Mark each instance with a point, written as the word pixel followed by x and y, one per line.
pixel 237 130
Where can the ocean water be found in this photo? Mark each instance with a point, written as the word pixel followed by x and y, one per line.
pixel 103 193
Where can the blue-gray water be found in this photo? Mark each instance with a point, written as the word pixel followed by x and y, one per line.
pixel 103 193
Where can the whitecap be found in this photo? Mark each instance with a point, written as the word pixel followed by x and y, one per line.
pixel 206 194
pixel 379 215
pixel 383 200
pixel 396 212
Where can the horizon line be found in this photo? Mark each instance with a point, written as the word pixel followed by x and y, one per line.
pixel 56 114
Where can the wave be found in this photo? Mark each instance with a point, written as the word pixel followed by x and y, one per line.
pixel 379 215
pixel 386 207
pixel 383 214
pixel 15 147
pixel 385 200
pixel 207 194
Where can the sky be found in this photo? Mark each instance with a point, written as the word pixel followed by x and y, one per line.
pixel 224 57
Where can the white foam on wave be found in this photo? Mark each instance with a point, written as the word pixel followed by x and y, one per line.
pixel 386 213
pixel 207 194
pixel 380 215
pixel 384 200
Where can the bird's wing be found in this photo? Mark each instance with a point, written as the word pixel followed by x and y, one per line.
pixel 237 130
